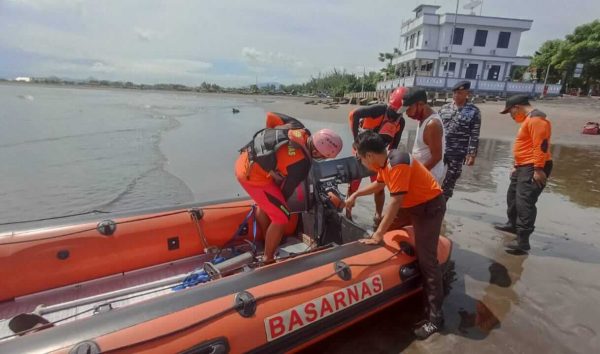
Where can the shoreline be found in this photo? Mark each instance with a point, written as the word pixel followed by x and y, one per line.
pixel 567 114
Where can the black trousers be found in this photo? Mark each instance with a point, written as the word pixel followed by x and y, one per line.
pixel 426 219
pixel 454 165
pixel 521 197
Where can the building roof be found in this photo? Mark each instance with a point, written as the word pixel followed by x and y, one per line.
pixel 424 5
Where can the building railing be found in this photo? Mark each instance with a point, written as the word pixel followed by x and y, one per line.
pixel 446 83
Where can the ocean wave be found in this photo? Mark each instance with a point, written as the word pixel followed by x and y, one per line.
pixel 64 137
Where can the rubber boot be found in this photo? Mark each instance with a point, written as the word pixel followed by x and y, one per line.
pixel 520 244
pixel 508 227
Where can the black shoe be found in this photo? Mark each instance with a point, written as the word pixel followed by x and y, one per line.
pixel 508 227
pixel 518 245
pixel 427 328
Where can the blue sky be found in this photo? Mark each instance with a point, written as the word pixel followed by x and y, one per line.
pixel 231 42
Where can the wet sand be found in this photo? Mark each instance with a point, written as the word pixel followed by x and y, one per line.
pixel 568 115
pixel 542 302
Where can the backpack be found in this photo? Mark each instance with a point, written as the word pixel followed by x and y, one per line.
pixel 591 128
pixel 263 147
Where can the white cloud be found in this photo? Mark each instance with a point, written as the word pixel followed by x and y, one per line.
pixel 146 35
pixel 167 66
pixel 191 40
pixel 99 67
pixel 255 56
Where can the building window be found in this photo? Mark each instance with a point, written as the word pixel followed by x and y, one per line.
pixel 480 38
pixel 503 40
pixel 493 72
pixel 450 66
pixel 427 67
pixel 418 37
pixel 458 36
pixel 406 43
pixel 412 41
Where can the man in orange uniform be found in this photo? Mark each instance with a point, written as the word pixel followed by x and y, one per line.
pixel 417 199
pixel 274 163
pixel 532 167
pixel 385 120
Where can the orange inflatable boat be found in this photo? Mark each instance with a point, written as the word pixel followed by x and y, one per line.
pixel 188 280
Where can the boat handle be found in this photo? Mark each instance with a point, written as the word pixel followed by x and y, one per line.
pixel 215 346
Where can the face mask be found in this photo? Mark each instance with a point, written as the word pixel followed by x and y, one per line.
pixel 519 117
pixel 418 115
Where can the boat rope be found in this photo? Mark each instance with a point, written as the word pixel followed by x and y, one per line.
pixel 214 316
pixel 55 217
pixel 89 229
pixel 76 314
pixel 196 215
pixel 240 230
pixel 233 307
pixel 96 211
pixel 13 242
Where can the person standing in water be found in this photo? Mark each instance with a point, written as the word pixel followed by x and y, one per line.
pixel 532 167
pixel 462 123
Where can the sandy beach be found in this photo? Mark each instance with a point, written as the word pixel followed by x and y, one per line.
pixel 568 115
pixel 502 303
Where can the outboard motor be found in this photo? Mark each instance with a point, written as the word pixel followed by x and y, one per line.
pixel 321 217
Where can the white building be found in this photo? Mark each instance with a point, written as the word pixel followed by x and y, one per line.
pixel 482 49
pixel 23 79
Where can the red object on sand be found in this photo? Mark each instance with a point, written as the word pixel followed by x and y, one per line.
pixel 591 128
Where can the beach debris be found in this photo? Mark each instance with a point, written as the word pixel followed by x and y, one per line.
pixel 591 128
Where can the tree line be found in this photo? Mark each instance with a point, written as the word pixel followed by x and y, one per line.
pixel 559 58
pixel 336 83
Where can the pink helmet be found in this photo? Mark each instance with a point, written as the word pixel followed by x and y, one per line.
pixel 327 142
pixel 396 97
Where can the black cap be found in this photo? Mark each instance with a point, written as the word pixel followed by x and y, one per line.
pixel 515 100
pixel 413 96
pixel 462 85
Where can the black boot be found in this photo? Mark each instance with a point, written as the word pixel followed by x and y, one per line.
pixel 426 328
pixel 521 244
pixel 508 227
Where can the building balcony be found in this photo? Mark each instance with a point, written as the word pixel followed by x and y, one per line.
pixel 437 83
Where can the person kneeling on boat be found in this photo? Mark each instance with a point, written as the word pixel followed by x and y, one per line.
pixel 417 200
pixel 274 163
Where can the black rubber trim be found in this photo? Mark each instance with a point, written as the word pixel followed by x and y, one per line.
pixel 338 319
pixel 118 319
pixel 214 346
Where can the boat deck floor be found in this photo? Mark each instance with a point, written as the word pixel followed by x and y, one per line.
pixel 160 274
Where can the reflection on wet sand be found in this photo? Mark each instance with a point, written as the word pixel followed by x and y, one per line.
pixel 478 317
pixel 575 173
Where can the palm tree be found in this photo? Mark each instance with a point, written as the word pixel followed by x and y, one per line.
pixel 389 70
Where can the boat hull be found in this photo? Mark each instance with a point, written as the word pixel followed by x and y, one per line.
pixel 296 302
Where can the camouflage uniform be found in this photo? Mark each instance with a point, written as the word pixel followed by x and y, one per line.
pixel 461 126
